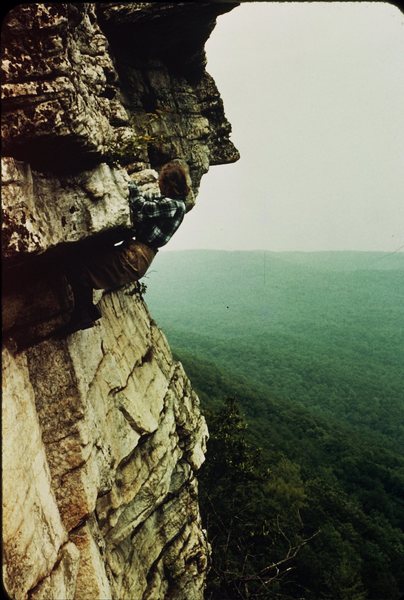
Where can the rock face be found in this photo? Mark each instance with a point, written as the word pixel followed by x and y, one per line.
pixel 102 432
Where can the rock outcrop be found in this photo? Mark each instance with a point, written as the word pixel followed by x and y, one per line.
pixel 102 433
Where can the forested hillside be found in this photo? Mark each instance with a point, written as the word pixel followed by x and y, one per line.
pixel 298 360
pixel 323 329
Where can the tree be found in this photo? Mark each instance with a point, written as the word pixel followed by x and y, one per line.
pixel 251 513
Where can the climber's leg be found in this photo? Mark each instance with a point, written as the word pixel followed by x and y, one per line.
pixel 85 313
pixel 119 265
pixel 108 269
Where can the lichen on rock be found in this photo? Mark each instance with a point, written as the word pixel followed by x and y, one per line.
pixel 102 433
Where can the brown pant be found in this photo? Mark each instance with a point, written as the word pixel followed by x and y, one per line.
pixel 119 265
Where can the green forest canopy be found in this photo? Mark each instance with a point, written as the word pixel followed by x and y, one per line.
pixel 311 347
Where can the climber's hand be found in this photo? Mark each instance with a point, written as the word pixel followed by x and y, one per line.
pixel 189 201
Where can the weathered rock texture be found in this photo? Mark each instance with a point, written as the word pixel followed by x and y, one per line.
pixel 102 432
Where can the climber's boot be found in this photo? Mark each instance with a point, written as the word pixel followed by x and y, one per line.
pixel 85 313
pixel 82 318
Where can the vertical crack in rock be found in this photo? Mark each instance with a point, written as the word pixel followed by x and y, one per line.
pixel 102 433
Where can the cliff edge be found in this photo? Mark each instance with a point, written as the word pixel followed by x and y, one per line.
pixel 102 432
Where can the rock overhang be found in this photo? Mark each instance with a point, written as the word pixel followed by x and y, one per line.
pixel 93 90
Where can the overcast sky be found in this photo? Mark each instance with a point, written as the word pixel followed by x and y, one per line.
pixel 315 95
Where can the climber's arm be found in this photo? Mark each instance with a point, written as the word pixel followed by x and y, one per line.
pixel 145 206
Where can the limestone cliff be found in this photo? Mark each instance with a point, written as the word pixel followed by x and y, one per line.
pixel 102 432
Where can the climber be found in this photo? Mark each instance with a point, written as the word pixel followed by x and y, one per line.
pixel 155 219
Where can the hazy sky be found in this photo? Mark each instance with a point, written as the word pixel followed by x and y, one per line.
pixel 315 95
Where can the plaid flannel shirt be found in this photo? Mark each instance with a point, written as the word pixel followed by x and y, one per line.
pixel 155 217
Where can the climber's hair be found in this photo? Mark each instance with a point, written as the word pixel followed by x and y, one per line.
pixel 173 181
